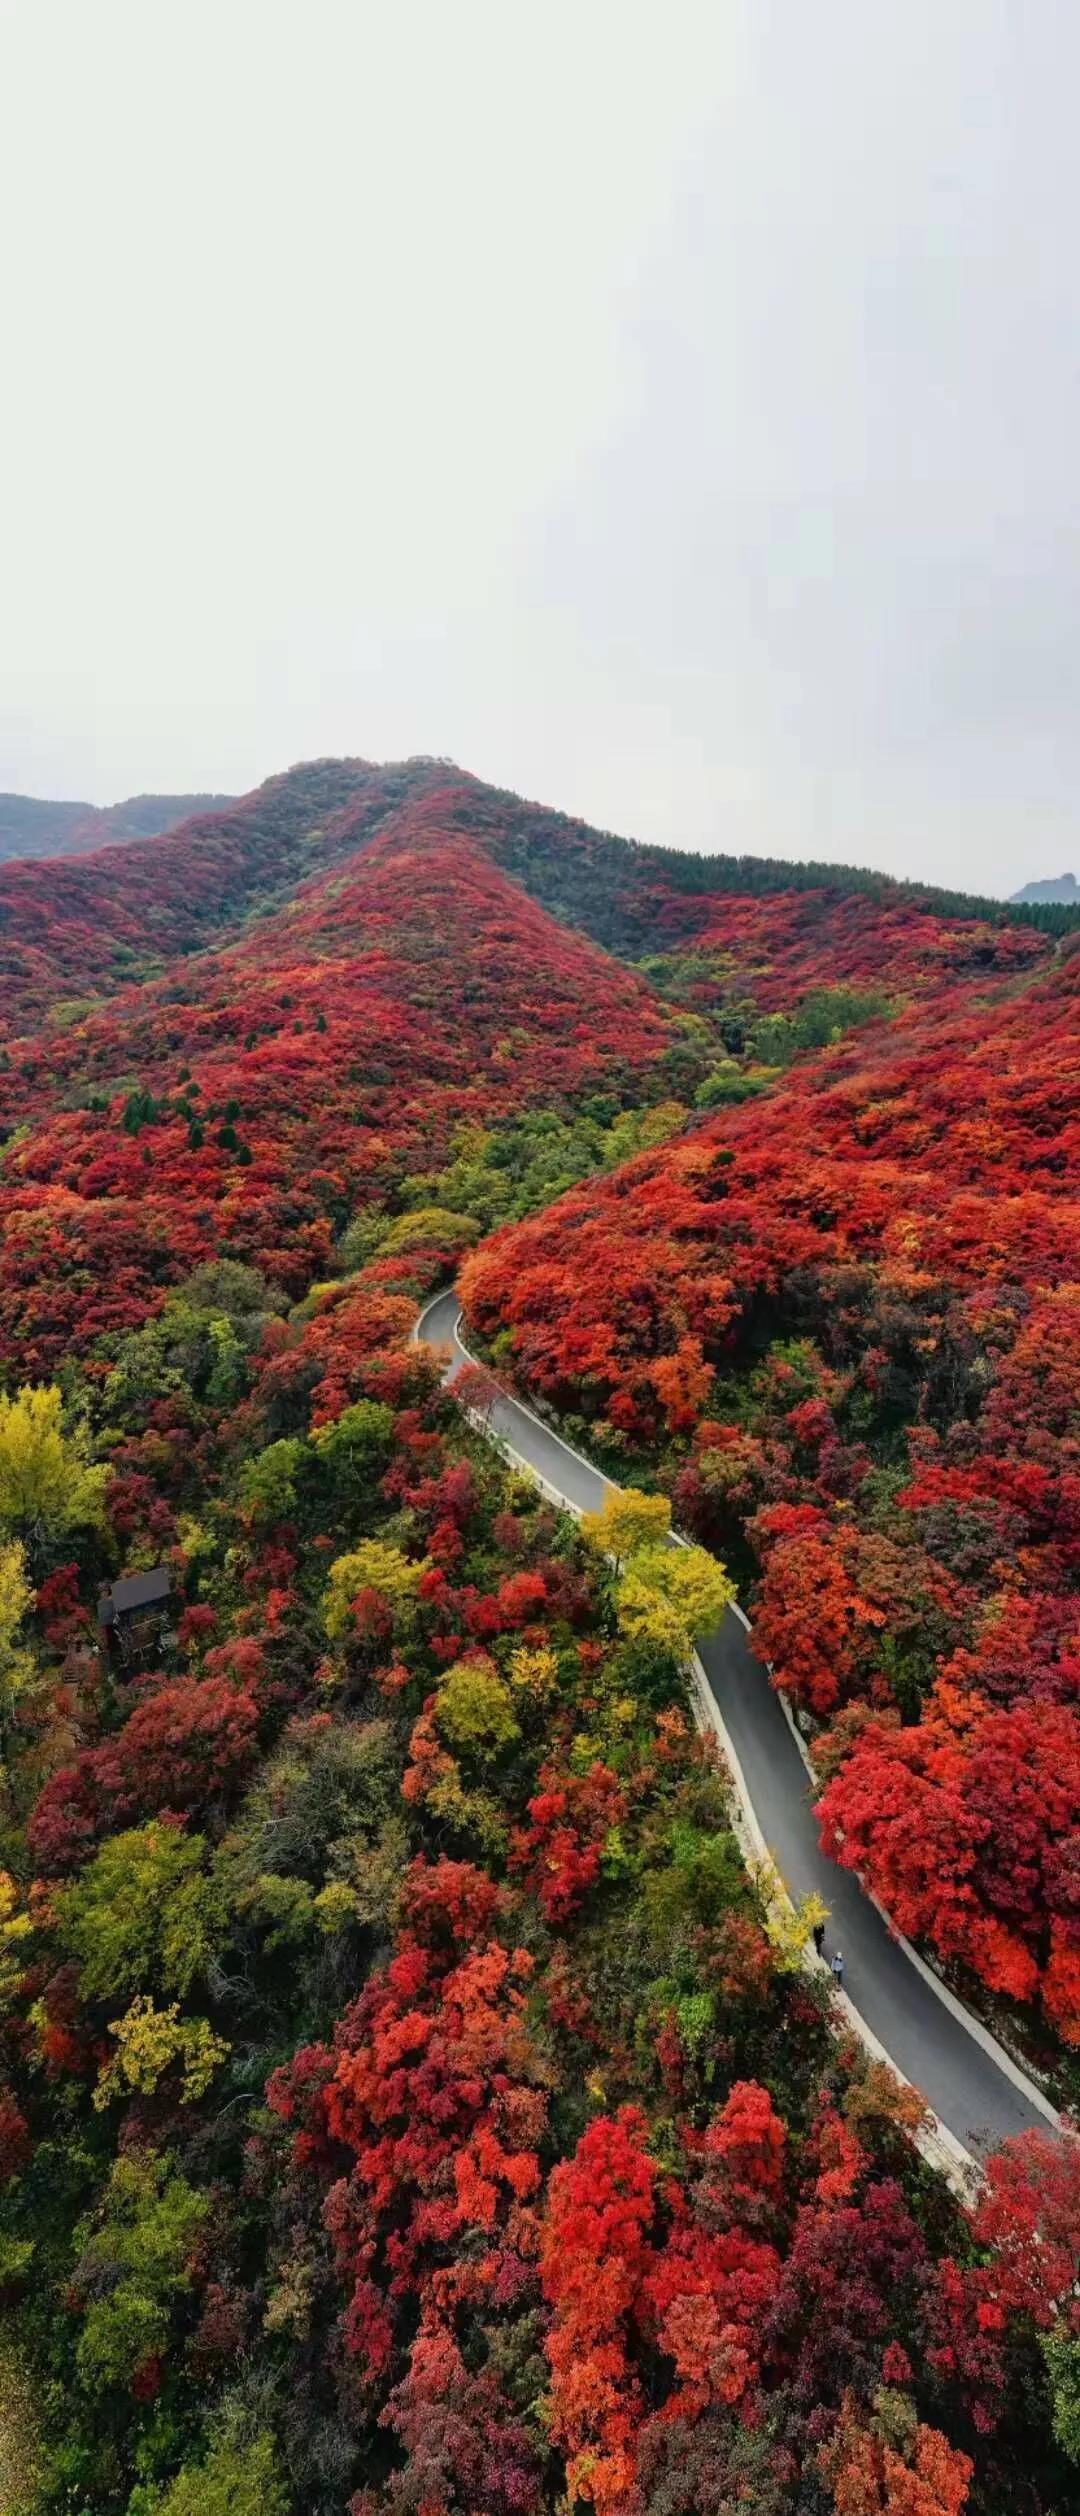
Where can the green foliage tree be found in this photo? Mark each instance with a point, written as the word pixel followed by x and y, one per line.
pixel 728 1084
pixel 354 1449
pixel 238 2477
pixel 1061 2351
pixel 637 1130
pixel 501 1173
pixel 318 1841
pixel 134 2266
pixel 144 1913
pixel 362 1237
pixel 268 1482
pixel 183 1349
pixel 140 1110
pixel 199 1342
pixel 327 1785
pixel 820 1017
pixel 703 1878
pixel 20 2463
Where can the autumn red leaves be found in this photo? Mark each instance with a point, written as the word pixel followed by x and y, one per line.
pixel 896 1236
pixel 410 2099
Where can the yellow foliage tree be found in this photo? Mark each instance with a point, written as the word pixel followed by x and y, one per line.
pixel 669 1594
pixel 373 1565
pixel 789 1924
pixel 474 1711
pixel 47 1482
pixel 148 2042
pixel 646 1616
pixel 628 1521
pixel 15 1927
pixel 335 1905
pixel 534 1672
pixel 16 1663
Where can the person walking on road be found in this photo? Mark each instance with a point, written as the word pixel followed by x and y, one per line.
pixel 838 1970
pixel 819 1938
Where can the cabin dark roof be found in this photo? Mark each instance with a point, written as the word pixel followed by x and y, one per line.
pixel 143 1589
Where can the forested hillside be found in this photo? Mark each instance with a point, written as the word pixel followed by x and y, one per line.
pixel 409 2103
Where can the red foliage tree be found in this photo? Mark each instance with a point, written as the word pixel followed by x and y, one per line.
pixel 184 1747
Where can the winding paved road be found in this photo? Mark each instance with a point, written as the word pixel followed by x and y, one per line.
pixel 936 2046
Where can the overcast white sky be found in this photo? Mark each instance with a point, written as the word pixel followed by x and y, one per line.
pixel 670 411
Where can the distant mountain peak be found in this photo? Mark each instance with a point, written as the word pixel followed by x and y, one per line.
pixel 1054 887
pixel 33 826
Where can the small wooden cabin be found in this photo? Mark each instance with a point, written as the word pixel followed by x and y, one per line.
pixel 130 1611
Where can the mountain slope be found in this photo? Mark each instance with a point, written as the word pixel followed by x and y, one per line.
pixel 251 1100
pixel 90 926
pixel 617 888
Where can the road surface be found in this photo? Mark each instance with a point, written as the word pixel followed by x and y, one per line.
pixel 935 2046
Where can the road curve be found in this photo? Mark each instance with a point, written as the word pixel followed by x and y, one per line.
pixel 934 2044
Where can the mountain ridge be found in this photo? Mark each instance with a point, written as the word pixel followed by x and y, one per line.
pixel 37 827
pixel 86 925
pixel 90 829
